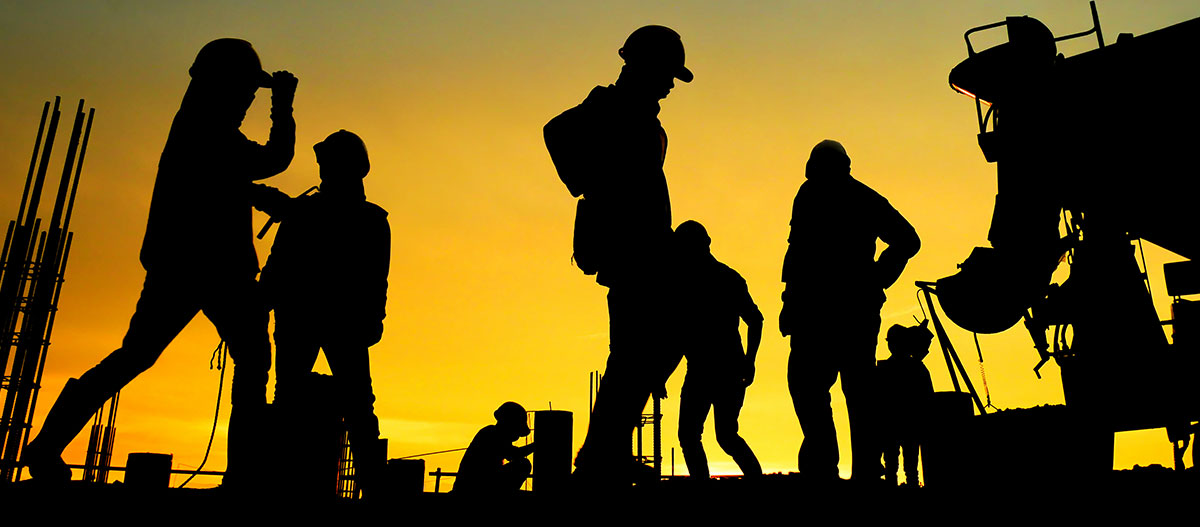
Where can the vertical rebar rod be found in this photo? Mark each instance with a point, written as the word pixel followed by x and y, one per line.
pixel 37 143
pixel 78 169
pixel 33 324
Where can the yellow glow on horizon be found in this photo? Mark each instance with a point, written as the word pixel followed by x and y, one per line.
pixel 450 97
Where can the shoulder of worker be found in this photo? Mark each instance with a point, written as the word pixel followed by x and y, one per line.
pixel 727 274
pixel 374 211
pixel 866 193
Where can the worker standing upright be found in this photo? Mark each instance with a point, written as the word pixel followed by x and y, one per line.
pixel 834 291
pixel 326 280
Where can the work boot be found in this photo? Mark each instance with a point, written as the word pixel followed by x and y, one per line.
pixel 70 413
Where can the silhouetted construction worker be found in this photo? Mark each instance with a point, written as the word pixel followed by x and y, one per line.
pixel 610 149
pixel 326 279
pixel 905 390
pixel 198 253
pixel 483 470
pixel 714 299
pixel 831 305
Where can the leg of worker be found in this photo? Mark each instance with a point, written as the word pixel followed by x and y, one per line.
pixel 912 450
pixel 351 368
pixel 513 474
pixel 624 389
pixel 240 317
pixel 858 385
pixel 811 374
pixel 164 308
pixel 727 407
pixel 891 459
pixel 694 403
pixel 296 350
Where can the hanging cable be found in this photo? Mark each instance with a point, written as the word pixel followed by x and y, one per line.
pixel 219 358
pixel 983 374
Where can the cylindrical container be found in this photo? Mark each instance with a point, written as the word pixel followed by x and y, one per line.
pixel 148 470
pixel 945 454
pixel 552 455
pixel 406 477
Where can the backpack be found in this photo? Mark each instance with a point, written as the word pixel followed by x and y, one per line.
pixel 570 138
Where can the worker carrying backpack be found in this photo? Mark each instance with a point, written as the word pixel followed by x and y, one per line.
pixel 571 140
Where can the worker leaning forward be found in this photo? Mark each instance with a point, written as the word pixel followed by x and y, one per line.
pixel 831 306
pixel 610 149
pixel 714 301
pixel 326 279
pixel 198 254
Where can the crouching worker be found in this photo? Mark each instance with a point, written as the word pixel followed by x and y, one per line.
pixel 326 279
pixel 715 300
pixel 906 389
pixel 483 470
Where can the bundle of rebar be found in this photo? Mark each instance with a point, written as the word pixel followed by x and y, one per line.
pixel 32 264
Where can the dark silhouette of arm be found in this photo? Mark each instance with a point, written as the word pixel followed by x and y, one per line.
pixel 264 161
pixel 521 451
pixel 754 328
pixel 375 275
pixel 902 244
pixel 270 200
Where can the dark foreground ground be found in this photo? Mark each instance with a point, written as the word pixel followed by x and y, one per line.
pixel 1150 493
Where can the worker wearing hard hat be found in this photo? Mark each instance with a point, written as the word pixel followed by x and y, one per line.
pixel 610 149
pixel 326 279
pixel 834 291
pixel 492 465
pixel 198 254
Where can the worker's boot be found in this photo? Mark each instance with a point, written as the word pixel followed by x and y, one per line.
pixel 70 413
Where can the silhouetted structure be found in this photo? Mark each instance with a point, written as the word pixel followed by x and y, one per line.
pixel 198 253
pixel 714 299
pixel 326 279
pixel 31 280
pixel 483 469
pixel 1110 167
pixel 831 305
pixel 905 390
pixel 610 149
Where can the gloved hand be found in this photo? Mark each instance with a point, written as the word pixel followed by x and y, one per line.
pixel 283 90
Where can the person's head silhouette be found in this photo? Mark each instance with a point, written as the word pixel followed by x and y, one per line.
pixel 511 420
pixel 342 156
pixel 827 160
pixel 653 60
pixel 691 239
pixel 225 75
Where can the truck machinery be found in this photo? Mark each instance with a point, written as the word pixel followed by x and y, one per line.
pixel 1099 142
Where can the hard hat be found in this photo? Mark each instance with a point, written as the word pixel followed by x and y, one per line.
pixel 344 149
pixel 230 59
pixel 656 46
pixel 511 412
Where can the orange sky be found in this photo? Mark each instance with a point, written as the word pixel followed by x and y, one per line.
pixel 450 97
